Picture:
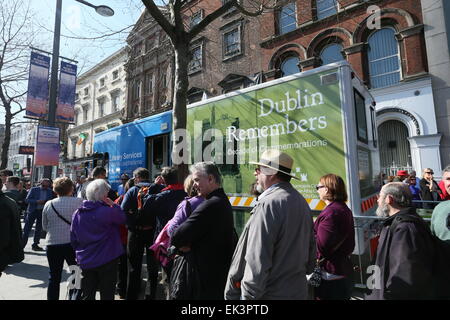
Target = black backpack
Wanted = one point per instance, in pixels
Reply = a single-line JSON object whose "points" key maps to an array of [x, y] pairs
{"points": [[441, 259]]}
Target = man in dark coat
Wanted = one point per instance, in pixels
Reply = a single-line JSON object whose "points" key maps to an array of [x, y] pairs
{"points": [[10, 232], [405, 250], [208, 233], [140, 236]]}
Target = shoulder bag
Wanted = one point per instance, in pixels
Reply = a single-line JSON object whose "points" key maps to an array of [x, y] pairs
{"points": [[60, 216]]}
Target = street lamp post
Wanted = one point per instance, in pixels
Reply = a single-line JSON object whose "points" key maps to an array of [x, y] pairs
{"points": [[102, 10]]}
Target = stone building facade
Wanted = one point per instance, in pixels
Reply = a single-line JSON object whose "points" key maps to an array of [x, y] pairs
{"points": [[100, 99]]}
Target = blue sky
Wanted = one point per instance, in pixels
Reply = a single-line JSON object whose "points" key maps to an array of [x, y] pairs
{"points": [[81, 21]]}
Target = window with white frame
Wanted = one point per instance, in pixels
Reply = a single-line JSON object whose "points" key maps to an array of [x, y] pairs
{"points": [[101, 108], [331, 53], [115, 100], [115, 74], [287, 18], [85, 114], [326, 8], [384, 58], [232, 42], [86, 91], [102, 82], [196, 18], [195, 63]]}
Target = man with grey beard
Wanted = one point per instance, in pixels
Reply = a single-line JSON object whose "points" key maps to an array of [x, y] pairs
{"points": [[405, 249]]}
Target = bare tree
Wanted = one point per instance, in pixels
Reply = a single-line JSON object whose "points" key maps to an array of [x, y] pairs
{"points": [[181, 37], [16, 36]]}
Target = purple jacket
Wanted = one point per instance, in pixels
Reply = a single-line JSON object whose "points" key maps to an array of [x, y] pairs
{"points": [[332, 226], [94, 233], [181, 214]]}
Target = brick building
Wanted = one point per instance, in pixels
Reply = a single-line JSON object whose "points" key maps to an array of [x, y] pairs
{"points": [[382, 40], [149, 70]]}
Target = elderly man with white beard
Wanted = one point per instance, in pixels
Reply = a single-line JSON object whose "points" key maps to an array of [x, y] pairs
{"points": [[405, 249]]}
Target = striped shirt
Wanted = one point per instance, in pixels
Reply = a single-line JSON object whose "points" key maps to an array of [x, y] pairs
{"points": [[58, 231]]}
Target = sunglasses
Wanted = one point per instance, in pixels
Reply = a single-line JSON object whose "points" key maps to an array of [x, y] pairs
{"points": [[319, 187], [429, 172]]}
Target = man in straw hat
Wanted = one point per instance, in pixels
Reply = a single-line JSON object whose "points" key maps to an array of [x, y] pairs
{"points": [[277, 248]]}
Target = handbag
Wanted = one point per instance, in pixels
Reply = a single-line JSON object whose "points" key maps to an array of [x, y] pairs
{"points": [[60, 216], [316, 277]]}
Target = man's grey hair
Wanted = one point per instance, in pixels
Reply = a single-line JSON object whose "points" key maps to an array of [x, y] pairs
{"points": [[446, 169], [97, 190], [208, 168], [400, 192]]}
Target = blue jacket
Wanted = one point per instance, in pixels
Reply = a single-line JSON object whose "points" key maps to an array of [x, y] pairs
{"points": [[33, 196]]}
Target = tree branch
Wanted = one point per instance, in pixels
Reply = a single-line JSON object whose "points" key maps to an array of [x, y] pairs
{"points": [[159, 17]]}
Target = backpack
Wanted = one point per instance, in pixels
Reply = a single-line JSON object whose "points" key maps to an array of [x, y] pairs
{"points": [[143, 218], [441, 259]]}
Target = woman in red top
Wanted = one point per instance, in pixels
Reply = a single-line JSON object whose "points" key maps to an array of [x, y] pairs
{"points": [[335, 238]]}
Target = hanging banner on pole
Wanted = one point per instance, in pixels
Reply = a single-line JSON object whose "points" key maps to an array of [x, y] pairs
{"points": [[66, 93], [47, 146], [37, 97]]}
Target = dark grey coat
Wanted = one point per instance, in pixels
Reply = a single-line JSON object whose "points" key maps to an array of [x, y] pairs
{"points": [[404, 257]]}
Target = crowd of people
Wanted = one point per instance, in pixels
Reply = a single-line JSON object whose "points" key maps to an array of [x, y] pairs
{"points": [[187, 232]]}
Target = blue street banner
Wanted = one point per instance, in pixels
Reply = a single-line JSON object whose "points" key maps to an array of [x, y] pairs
{"points": [[47, 146], [37, 98], [66, 93]]}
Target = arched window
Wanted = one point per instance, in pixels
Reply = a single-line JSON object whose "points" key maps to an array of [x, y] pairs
{"points": [[331, 53], [289, 65], [384, 59]]}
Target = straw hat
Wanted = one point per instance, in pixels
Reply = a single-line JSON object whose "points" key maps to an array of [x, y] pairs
{"points": [[276, 160]]}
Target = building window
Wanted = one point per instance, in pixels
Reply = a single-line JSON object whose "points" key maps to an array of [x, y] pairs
{"points": [[287, 18], [85, 114], [289, 66], [331, 53], [384, 58], [101, 108], [86, 92], [149, 83], [326, 8], [115, 74], [196, 18], [232, 42], [195, 64], [102, 82], [136, 90], [115, 102]]}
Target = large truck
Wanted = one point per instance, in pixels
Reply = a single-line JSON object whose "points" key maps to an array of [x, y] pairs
{"points": [[323, 118]]}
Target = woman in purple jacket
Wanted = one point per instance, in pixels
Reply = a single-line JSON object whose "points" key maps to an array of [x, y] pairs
{"points": [[335, 238], [95, 236]]}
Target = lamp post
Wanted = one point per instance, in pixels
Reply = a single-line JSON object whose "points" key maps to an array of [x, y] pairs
{"points": [[102, 10]]}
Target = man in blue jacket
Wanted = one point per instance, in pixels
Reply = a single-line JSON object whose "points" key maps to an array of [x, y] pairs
{"points": [[36, 199]]}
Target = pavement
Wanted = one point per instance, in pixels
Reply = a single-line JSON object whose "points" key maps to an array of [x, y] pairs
{"points": [[28, 280]]}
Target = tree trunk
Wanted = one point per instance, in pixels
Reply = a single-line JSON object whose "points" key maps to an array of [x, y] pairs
{"points": [[181, 85], [5, 145]]}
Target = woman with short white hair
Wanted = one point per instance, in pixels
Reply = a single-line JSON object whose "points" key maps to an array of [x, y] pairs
{"points": [[95, 237]]}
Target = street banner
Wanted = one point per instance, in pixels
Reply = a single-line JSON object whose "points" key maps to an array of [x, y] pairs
{"points": [[26, 150], [47, 146], [66, 93], [37, 97]]}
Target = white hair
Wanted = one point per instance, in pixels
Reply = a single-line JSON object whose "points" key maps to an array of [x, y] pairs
{"points": [[97, 190]]}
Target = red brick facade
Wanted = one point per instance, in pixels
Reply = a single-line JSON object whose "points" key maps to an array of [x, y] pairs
{"points": [[263, 48]]}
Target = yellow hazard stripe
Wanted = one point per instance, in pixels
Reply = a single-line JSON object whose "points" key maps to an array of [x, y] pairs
{"points": [[314, 204]]}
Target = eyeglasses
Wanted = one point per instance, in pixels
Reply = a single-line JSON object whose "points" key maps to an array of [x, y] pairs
{"points": [[429, 172], [318, 187]]}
